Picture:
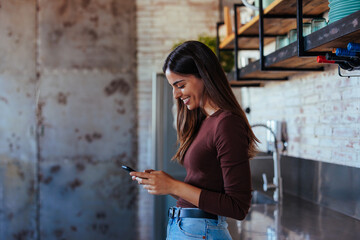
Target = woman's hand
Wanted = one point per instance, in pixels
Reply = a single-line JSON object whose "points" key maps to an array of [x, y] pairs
{"points": [[156, 182], [161, 183]]}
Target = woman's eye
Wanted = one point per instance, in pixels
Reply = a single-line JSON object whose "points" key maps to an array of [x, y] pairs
{"points": [[182, 86]]}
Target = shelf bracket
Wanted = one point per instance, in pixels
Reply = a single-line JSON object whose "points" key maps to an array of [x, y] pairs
{"points": [[300, 42], [300, 37], [236, 48], [218, 24], [261, 36], [341, 75]]}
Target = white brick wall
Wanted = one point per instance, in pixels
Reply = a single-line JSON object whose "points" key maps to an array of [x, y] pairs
{"points": [[322, 111], [161, 23]]}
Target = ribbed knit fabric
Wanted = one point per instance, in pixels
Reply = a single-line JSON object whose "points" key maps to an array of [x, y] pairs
{"points": [[217, 162]]}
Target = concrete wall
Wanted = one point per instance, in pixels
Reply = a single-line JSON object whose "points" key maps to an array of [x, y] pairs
{"points": [[161, 23], [68, 119], [17, 120], [321, 111]]}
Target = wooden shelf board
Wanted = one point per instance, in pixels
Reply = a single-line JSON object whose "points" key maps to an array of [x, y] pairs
{"points": [[253, 69], [228, 42], [269, 74], [233, 82], [275, 25], [310, 7], [296, 62]]}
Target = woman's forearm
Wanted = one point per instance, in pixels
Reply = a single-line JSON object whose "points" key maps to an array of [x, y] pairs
{"points": [[174, 196], [187, 192]]}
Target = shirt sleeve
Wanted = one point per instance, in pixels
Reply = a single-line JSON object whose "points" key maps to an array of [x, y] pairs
{"points": [[232, 146]]}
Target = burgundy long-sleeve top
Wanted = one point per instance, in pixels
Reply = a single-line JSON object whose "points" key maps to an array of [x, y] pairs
{"points": [[217, 162]]}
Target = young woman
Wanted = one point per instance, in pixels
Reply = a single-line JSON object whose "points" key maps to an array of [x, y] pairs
{"points": [[215, 145]]}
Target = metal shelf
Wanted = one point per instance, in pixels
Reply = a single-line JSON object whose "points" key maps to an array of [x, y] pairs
{"points": [[335, 35], [298, 56], [280, 18]]}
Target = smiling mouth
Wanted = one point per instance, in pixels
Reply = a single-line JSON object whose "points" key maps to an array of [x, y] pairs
{"points": [[186, 100]]}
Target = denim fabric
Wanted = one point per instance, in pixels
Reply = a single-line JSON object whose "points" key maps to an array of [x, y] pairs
{"points": [[197, 228]]}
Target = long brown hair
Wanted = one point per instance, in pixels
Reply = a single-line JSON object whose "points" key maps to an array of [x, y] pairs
{"points": [[195, 58]]}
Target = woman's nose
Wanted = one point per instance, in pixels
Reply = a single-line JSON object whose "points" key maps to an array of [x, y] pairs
{"points": [[176, 93]]}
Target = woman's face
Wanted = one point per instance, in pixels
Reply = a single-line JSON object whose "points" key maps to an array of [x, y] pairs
{"points": [[188, 88]]}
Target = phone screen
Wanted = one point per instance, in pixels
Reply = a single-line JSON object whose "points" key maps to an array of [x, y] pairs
{"points": [[129, 169]]}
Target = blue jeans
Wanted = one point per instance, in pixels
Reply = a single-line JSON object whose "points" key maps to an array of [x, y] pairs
{"points": [[197, 228]]}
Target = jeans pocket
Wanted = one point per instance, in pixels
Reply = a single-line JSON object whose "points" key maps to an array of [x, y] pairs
{"points": [[168, 227], [194, 228], [218, 232]]}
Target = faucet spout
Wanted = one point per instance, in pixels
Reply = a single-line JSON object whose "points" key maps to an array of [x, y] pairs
{"points": [[276, 185], [266, 185], [277, 180]]}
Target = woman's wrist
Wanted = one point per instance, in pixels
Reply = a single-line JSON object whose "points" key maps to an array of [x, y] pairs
{"points": [[174, 189], [186, 191]]}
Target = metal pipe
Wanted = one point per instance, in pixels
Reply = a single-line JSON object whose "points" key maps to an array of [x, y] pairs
{"points": [[218, 24], [277, 180], [299, 23], [236, 43], [261, 36]]}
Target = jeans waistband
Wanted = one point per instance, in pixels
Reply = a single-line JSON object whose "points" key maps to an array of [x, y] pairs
{"points": [[178, 212]]}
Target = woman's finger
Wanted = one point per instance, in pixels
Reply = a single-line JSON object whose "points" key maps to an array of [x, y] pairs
{"points": [[144, 181], [141, 180], [150, 189], [152, 192], [140, 174]]}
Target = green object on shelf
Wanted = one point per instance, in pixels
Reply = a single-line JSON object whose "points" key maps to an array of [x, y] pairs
{"points": [[306, 29], [266, 3], [318, 23], [226, 58], [340, 9], [292, 35], [281, 41]]}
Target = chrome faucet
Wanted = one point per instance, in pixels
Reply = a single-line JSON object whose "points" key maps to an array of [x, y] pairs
{"points": [[280, 129]]}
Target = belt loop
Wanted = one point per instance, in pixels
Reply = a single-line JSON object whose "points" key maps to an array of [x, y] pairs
{"points": [[178, 213], [171, 212]]}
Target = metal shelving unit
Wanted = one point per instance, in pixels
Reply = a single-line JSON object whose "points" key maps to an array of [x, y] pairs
{"points": [[298, 56]]}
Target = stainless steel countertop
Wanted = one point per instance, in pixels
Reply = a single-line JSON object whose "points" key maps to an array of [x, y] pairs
{"points": [[294, 219]]}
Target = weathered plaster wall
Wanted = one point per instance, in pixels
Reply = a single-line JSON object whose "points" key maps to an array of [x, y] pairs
{"points": [[68, 119], [17, 119]]}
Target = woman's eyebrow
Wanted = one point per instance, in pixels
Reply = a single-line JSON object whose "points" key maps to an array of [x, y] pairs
{"points": [[176, 82]]}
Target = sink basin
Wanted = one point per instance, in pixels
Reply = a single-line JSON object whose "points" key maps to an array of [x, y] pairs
{"points": [[261, 198]]}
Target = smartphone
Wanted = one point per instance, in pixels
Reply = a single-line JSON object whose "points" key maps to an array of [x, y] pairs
{"points": [[129, 169]]}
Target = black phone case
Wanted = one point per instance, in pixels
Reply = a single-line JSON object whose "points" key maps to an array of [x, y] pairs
{"points": [[129, 169]]}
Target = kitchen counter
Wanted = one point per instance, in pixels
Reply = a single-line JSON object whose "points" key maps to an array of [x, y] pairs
{"points": [[294, 219]]}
